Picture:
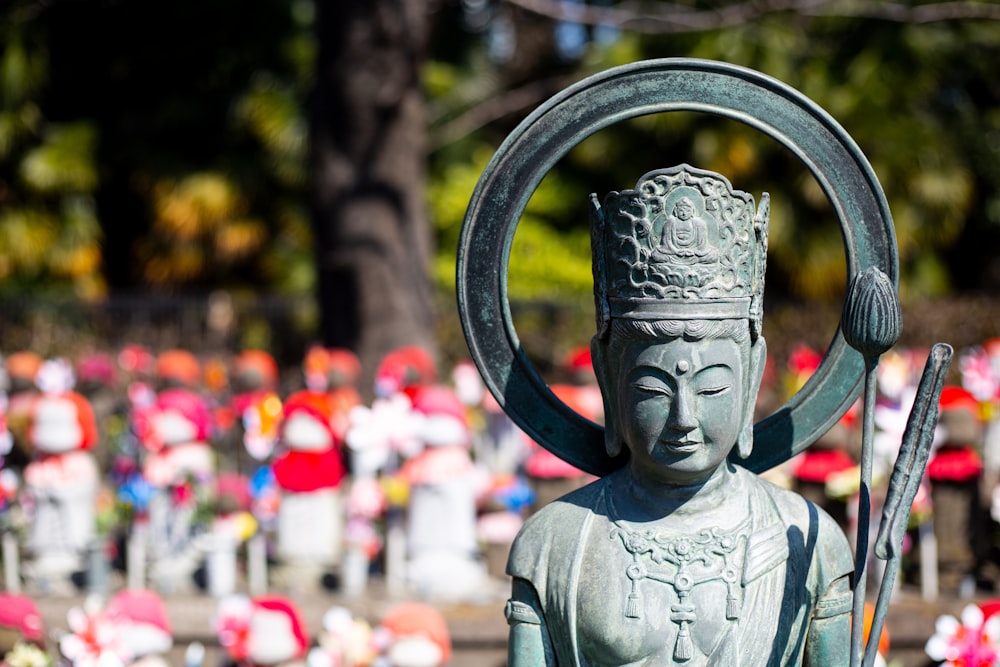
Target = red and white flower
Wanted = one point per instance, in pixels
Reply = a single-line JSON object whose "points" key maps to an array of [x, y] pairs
{"points": [[971, 641], [94, 640]]}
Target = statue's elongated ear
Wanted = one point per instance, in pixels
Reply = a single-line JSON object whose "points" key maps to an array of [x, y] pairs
{"points": [[758, 359], [613, 444]]}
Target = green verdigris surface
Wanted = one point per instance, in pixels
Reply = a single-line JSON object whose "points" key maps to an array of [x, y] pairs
{"points": [[672, 84], [678, 555], [681, 556]]}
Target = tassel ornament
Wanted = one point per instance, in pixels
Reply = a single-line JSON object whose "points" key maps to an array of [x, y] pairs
{"points": [[632, 605], [683, 615], [732, 601], [683, 649], [732, 608]]}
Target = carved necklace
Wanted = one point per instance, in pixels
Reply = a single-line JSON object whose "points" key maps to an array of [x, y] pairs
{"points": [[711, 554]]}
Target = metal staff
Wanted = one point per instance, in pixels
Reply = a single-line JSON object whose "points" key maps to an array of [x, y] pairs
{"points": [[904, 482]]}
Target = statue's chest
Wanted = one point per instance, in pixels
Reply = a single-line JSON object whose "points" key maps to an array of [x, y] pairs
{"points": [[652, 598]]}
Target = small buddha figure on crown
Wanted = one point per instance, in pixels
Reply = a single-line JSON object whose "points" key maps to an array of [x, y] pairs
{"points": [[681, 557], [685, 235]]}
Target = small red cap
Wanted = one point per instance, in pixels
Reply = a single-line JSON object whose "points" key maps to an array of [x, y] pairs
{"points": [[19, 612]]}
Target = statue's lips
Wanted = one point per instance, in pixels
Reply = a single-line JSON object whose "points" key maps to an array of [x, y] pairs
{"points": [[681, 446]]}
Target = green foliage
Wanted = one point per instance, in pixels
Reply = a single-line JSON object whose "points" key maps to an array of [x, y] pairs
{"points": [[180, 154], [22, 66], [884, 83], [922, 110], [271, 111], [50, 237], [63, 162], [104, 127], [549, 265], [289, 264], [546, 263]]}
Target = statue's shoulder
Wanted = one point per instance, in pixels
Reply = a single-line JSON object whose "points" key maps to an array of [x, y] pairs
{"points": [[555, 528], [794, 508], [813, 522], [565, 511]]}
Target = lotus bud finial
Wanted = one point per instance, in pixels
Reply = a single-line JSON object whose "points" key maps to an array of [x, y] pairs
{"points": [[871, 320]]}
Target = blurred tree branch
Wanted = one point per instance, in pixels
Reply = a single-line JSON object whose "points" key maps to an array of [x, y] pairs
{"points": [[496, 107], [668, 17]]}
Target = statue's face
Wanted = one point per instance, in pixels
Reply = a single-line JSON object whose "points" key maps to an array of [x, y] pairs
{"points": [[681, 406], [684, 209]]}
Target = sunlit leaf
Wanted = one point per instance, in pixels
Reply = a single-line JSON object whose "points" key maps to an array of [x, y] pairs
{"points": [[65, 160], [546, 264], [25, 238], [238, 239], [22, 69], [275, 118], [194, 206]]}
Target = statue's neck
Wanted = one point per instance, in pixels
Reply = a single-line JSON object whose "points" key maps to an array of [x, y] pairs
{"points": [[651, 500]]}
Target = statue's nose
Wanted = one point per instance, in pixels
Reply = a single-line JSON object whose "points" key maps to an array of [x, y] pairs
{"points": [[682, 417]]}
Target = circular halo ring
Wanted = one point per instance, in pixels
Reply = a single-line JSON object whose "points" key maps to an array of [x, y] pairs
{"points": [[618, 94]]}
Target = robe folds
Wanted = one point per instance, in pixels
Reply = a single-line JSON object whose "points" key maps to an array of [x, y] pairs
{"points": [[607, 592]]}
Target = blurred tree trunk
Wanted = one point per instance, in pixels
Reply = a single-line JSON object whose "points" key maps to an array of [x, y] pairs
{"points": [[368, 135]]}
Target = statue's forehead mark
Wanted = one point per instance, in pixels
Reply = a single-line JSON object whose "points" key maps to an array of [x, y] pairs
{"points": [[690, 360]]}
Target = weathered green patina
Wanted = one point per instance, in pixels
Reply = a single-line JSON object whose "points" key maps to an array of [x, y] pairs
{"points": [[678, 555], [626, 92]]}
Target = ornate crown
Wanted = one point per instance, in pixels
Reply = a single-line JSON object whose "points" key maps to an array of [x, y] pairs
{"points": [[682, 245]]}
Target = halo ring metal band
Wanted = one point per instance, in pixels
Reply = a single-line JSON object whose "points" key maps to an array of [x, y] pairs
{"points": [[618, 94]]}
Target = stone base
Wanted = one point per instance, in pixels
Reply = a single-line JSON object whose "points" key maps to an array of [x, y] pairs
{"points": [[447, 576], [176, 574], [298, 578], [52, 574]]}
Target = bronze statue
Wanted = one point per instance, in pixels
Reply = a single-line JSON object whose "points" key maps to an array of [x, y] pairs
{"points": [[679, 554], [680, 557]]}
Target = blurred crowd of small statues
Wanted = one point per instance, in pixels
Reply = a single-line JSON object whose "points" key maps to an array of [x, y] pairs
{"points": [[135, 475]]}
